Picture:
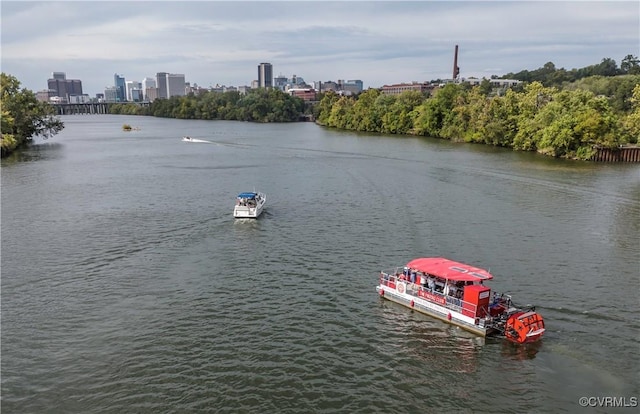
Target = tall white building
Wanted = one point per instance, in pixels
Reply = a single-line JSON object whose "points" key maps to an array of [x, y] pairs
{"points": [[147, 83], [175, 85], [130, 86]]}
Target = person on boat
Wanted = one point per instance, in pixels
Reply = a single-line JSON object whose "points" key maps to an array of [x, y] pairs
{"points": [[431, 284], [413, 276], [449, 289], [423, 280]]}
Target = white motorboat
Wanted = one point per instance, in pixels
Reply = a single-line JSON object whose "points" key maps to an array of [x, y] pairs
{"points": [[189, 139], [249, 205]]}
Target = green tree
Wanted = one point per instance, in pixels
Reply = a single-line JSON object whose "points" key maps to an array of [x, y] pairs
{"points": [[365, 117], [574, 122], [436, 112], [607, 67], [630, 65], [23, 116], [323, 111], [485, 87], [341, 113], [530, 102], [631, 122], [399, 116]]}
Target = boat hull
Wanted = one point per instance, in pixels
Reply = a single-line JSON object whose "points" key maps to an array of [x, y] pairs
{"points": [[247, 212], [436, 311]]}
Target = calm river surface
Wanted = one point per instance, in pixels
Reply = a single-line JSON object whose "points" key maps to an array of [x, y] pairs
{"points": [[127, 286]]}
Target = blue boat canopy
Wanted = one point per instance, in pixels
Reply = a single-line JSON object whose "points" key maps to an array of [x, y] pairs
{"points": [[247, 195]]}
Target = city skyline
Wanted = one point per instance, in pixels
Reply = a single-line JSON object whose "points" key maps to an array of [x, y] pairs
{"points": [[378, 42]]}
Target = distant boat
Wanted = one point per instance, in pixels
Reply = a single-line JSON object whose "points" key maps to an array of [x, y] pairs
{"points": [[189, 139], [249, 205]]}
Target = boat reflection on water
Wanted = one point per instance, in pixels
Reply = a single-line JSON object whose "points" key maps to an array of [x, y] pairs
{"points": [[456, 354], [520, 352], [439, 345], [444, 347]]}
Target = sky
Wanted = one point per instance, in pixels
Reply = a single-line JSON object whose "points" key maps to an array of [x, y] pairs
{"points": [[378, 42]]}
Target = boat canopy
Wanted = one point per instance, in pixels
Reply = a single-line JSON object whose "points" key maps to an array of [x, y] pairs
{"points": [[449, 269], [247, 195]]}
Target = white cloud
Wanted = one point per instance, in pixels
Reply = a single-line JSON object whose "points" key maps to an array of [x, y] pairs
{"points": [[377, 42]]}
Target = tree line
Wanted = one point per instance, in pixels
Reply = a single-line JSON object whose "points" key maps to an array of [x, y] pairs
{"points": [[258, 105], [549, 75], [569, 123]]}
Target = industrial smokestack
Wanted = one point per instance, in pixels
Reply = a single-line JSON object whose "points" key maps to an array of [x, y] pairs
{"points": [[456, 69]]}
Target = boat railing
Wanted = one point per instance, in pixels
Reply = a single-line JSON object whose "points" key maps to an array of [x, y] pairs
{"points": [[392, 277]]}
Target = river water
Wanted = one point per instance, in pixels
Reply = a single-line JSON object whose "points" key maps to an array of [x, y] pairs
{"points": [[127, 286]]}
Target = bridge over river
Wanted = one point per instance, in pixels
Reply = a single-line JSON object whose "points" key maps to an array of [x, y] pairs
{"points": [[90, 108]]}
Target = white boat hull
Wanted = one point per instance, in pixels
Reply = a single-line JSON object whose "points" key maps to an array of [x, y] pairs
{"points": [[432, 309], [189, 139]]}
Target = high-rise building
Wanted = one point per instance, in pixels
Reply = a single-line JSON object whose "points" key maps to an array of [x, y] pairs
{"points": [[111, 94], [150, 94], [175, 85], [133, 85], [63, 87], [136, 95], [74, 87], [121, 89], [147, 83], [353, 86], [59, 86], [161, 84], [265, 75], [280, 82]]}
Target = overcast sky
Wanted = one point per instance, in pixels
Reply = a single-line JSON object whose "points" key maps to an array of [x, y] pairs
{"points": [[378, 42]]}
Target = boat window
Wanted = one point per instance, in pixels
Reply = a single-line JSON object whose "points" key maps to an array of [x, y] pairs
{"points": [[458, 269], [481, 276]]}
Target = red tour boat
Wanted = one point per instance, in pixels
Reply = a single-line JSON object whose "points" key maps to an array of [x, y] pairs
{"points": [[455, 292]]}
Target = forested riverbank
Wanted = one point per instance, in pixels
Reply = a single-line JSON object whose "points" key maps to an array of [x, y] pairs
{"points": [[258, 105], [571, 121], [568, 123]]}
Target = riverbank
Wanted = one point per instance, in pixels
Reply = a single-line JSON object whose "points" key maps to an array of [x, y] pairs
{"points": [[571, 124]]}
